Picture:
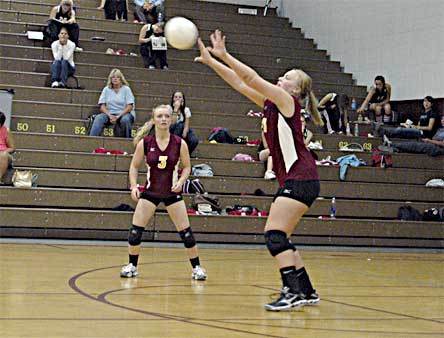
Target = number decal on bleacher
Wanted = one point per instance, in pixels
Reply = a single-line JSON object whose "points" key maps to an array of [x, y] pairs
{"points": [[108, 132], [367, 146], [22, 126], [50, 128], [79, 130], [342, 144]]}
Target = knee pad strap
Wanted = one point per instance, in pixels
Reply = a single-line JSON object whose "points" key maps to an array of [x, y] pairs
{"points": [[277, 242], [187, 237], [135, 235]]}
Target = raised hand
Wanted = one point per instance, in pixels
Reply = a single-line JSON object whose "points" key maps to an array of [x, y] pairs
{"points": [[218, 42], [205, 56]]}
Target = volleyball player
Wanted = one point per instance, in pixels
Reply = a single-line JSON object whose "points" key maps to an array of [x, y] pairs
{"points": [[162, 153], [294, 165]]}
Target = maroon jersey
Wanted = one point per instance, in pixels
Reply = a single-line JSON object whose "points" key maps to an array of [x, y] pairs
{"points": [[163, 166], [291, 159]]}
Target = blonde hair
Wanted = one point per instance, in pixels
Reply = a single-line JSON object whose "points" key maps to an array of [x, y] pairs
{"points": [[118, 73], [307, 92], [146, 128]]}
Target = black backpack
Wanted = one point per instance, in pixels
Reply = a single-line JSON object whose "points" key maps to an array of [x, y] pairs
{"points": [[221, 135], [434, 215], [407, 213]]}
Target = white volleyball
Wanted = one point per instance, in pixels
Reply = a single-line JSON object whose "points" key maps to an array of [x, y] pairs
{"points": [[181, 33]]}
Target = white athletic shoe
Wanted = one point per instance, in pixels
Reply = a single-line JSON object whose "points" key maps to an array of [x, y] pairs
{"points": [[199, 273], [55, 84], [269, 175], [129, 271]]}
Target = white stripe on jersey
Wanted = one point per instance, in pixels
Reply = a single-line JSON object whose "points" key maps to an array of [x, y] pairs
{"points": [[286, 142], [175, 173]]}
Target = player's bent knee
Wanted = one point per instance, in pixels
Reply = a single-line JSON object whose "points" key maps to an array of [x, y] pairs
{"points": [[135, 235], [187, 238], [277, 242]]}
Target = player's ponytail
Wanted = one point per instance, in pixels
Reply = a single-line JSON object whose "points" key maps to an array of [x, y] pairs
{"points": [[142, 132], [312, 102]]}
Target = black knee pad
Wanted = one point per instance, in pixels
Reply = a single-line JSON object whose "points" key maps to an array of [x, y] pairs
{"points": [[187, 238], [135, 235], [277, 242]]}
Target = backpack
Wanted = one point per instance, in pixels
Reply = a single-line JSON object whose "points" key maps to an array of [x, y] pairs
{"points": [[193, 187], [202, 170], [206, 203], [433, 215], [381, 159], [220, 135], [407, 213]]}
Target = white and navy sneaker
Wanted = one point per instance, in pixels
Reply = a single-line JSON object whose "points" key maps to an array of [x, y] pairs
{"points": [[286, 301], [129, 271], [199, 273], [313, 298]]}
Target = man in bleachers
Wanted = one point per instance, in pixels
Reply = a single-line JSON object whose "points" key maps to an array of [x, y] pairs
{"points": [[63, 65]]}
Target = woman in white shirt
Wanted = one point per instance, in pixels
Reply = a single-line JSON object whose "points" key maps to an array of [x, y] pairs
{"points": [[63, 65], [116, 107]]}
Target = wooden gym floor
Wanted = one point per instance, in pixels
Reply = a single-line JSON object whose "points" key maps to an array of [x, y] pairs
{"points": [[63, 290]]}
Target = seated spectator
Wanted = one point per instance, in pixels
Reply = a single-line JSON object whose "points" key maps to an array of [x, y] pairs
{"points": [[431, 147], [153, 46], [63, 65], [153, 11], [114, 8], [182, 118], [426, 128], [116, 107], [379, 99], [60, 16], [6, 147], [334, 110]]}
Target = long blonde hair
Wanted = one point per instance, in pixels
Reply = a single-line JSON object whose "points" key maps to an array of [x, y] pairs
{"points": [[146, 128], [119, 74], [307, 92]]}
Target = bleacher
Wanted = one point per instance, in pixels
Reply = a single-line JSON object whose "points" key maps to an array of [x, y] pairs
{"points": [[78, 189]]}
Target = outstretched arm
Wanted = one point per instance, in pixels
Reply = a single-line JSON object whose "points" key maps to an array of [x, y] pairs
{"points": [[228, 75], [279, 96]]}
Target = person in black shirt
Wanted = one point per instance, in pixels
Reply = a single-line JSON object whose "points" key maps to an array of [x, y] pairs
{"points": [[153, 45], [378, 99]]}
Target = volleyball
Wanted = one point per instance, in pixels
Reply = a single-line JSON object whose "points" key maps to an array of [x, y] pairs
{"points": [[181, 33]]}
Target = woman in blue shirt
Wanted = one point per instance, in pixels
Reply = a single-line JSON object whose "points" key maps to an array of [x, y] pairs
{"points": [[116, 107]]}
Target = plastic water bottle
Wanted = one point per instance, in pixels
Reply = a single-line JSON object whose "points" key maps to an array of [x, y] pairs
{"points": [[354, 105], [160, 17], [356, 130], [333, 208], [347, 129]]}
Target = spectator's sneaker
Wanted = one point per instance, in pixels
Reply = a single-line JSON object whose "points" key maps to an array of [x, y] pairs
{"points": [[151, 67], [79, 49], [55, 84], [165, 68], [387, 142], [270, 175], [286, 301], [313, 298], [199, 273], [61, 85], [129, 271]]}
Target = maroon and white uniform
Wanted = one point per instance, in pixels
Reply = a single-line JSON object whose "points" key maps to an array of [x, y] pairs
{"points": [[291, 159], [163, 166]]}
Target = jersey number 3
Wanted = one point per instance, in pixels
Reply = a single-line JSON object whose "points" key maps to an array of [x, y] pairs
{"points": [[162, 162]]}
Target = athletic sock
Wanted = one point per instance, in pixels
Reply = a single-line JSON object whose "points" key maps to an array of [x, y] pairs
{"points": [[133, 259], [195, 261]]}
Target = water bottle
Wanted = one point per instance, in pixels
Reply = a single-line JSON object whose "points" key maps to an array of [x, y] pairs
{"points": [[333, 208], [354, 105], [160, 17], [347, 129], [356, 130]]}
